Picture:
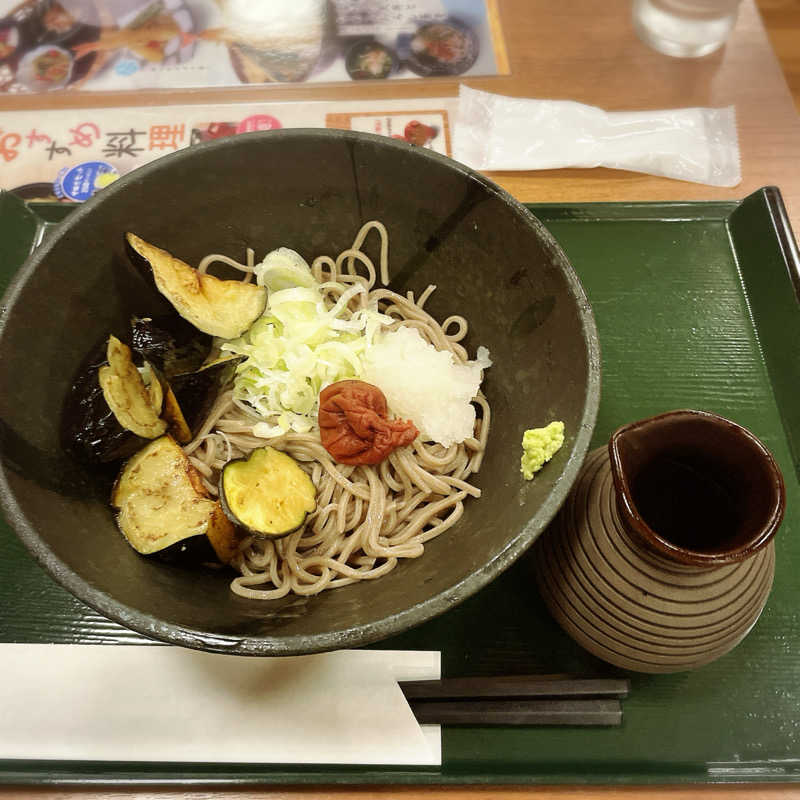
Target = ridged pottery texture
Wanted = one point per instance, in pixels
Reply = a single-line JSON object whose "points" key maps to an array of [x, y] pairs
{"points": [[636, 607]]}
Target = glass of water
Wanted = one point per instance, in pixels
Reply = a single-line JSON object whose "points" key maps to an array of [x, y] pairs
{"points": [[685, 28]]}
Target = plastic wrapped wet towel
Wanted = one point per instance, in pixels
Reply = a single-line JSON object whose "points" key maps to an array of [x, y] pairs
{"points": [[494, 132]]}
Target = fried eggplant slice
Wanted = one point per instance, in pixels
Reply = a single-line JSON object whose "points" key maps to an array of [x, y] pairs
{"points": [[155, 389], [170, 343], [136, 406], [90, 430], [267, 494], [216, 307], [189, 397], [196, 392], [224, 536], [161, 499], [177, 426]]}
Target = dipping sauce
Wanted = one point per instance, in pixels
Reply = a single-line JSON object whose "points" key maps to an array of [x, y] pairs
{"points": [[688, 500]]}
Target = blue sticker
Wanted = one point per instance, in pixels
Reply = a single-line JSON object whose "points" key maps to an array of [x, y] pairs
{"points": [[126, 66], [80, 182]]}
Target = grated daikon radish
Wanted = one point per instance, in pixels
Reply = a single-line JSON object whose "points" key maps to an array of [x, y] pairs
{"points": [[426, 385]]}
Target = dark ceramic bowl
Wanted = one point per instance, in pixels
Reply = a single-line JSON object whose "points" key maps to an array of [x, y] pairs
{"points": [[310, 190]]}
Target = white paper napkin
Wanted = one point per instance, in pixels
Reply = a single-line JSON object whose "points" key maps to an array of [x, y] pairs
{"points": [[159, 703], [494, 132]]}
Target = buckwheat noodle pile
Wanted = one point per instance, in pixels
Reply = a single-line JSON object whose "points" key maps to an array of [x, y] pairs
{"points": [[367, 517]]}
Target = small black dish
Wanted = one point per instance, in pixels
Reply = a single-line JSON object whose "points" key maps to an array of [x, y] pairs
{"points": [[370, 60], [443, 48], [56, 24]]}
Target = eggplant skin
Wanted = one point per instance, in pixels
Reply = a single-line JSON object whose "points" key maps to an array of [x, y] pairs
{"points": [[195, 551], [196, 392], [216, 307], [224, 537], [173, 345], [160, 498], [171, 411], [90, 431], [266, 494], [109, 414]]}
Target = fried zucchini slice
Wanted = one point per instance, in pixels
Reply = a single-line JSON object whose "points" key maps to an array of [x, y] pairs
{"points": [[136, 406], [266, 494], [220, 308], [161, 499]]}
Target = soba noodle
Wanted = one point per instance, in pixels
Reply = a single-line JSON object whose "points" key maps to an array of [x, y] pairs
{"points": [[367, 517]]}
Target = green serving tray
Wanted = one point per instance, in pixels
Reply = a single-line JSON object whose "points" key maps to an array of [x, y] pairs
{"points": [[697, 307]]}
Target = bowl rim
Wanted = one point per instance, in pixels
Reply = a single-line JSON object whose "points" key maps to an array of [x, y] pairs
{"points": [[722, 553], [366, 633]]}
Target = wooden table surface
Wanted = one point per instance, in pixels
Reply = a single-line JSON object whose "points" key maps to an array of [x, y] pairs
{"points": [[782, 21], [583, 50]]}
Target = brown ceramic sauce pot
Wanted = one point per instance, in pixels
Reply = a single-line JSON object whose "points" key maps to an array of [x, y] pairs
{"points": [[662, 558], [696, 487]]}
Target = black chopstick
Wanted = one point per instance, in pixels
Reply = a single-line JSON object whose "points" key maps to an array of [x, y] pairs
{"points": [[598, 711], [515, 686]]}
